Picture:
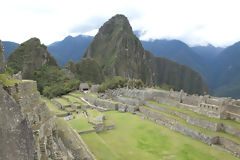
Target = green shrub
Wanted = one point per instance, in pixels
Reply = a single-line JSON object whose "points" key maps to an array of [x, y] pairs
{"points": [[120, 82], [53, 81]]}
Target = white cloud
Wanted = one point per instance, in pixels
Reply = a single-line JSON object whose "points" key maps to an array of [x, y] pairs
{"points": [[193, 21]]}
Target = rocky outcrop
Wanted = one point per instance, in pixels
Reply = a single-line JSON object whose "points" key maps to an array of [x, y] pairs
{"points": [[2, 59], [16, 142]]}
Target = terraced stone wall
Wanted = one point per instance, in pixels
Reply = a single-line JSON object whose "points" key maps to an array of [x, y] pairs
{"points": [[47, 142]]}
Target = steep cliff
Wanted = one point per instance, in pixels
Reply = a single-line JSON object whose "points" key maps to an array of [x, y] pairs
{"points": [[29, 130], [119, 52], [16, 134]]}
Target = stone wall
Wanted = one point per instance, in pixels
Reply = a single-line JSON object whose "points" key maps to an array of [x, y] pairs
{"points": [[109, 105], [48, 144], [189, 119], [128, 100], [233, 147], [16, 140], [57, 104], [98, 128], [174, 125]]}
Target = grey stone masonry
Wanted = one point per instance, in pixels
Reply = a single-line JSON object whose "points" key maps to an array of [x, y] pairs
{"points": [[16, 136]]}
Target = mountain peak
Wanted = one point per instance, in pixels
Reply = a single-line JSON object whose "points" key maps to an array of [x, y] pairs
{"points": [[118, 23], [120, 53], [34, 40], [29, 56], [119, 19]]}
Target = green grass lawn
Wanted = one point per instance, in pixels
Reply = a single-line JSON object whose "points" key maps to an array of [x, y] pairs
{"points": [[92, 113], [62, 101], [52, 107], [74, 99], [80, 123], [199, 129], [93, 95], [138, 139], [194, 114], [76, 94]]}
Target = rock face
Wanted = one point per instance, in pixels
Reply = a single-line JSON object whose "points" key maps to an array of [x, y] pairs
{"points": [[30, 56], [2, 59], [120, 53], [16, 140], [29, 131]]}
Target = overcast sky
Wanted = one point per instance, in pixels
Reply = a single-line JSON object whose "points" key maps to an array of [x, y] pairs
{"points": [[196, 22]]}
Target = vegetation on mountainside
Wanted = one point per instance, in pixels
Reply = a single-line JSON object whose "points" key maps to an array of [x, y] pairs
{"points": [[53, 81], [120, 82], [179, 76], [30, 56], [86, 70], [6, 80]]}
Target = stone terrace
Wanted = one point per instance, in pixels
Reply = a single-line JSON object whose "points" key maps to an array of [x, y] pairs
{"points": [[211, 120]]}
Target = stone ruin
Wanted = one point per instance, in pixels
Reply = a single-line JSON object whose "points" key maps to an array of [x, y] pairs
{"points": [[2, 59], [216, 107], [141, 102]]}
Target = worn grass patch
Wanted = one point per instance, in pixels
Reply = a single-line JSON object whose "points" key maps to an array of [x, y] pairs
{"points": [[135, 138], [52, 107], [92, 113], [80, 123], [62, 101], [76, 94], [74, 99]]}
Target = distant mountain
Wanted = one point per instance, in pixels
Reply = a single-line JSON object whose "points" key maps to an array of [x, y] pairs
{"points": [[180, 52], [120, 53], [227, 72], [71, 48], [207, 52], [9, 47]]}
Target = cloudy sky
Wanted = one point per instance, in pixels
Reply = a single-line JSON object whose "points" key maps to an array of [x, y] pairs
{"points": [[196, 22]]}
